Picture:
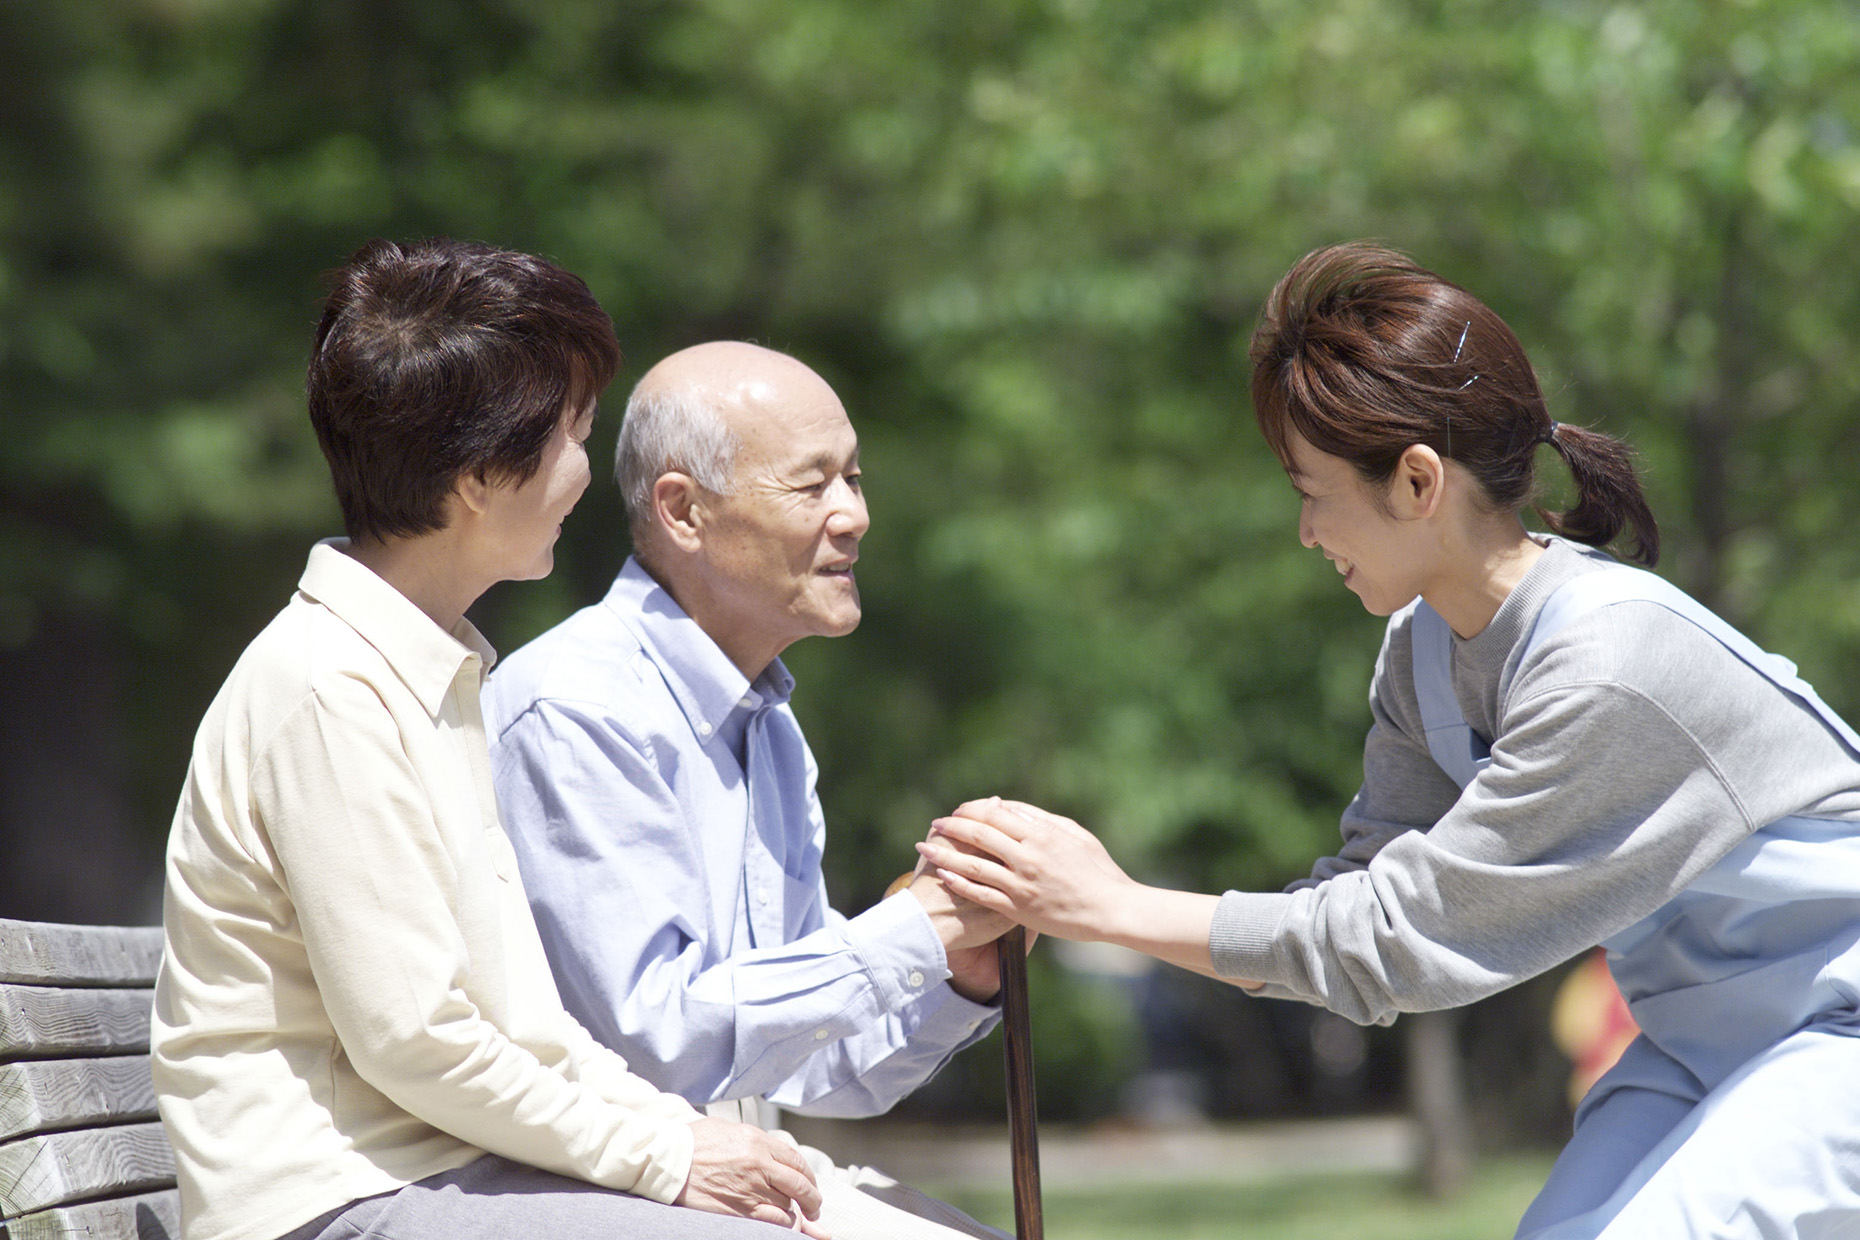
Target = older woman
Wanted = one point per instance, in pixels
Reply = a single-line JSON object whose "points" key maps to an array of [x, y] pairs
{"points": [[355, 1027], [1564, 751]]}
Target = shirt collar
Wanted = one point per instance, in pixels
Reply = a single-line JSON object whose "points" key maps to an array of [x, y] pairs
{"points": [[422, 654], [706, 684]]}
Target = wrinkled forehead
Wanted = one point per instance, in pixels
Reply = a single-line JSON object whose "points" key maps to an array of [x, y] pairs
{"points": [[790, 425]]}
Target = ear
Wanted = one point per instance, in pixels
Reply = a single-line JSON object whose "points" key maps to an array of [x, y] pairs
{"points": [[1418, 488], [678, 510], [472, 491]]}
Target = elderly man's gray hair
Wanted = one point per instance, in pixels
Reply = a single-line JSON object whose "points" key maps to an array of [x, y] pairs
{"points": [[666, 429]]}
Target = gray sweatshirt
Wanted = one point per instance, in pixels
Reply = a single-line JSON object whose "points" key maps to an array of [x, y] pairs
{"points": [[1630, 751]]}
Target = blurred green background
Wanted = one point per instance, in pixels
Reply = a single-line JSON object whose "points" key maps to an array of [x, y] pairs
{"points": [[1027, 241]]}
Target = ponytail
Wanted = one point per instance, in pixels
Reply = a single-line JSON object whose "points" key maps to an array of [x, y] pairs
{"points": [[1608, 494]]}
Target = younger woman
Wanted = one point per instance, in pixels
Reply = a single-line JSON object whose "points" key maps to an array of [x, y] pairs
{"points": [[1564, 751]]}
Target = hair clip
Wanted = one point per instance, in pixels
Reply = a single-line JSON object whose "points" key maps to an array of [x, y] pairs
{"points": [[1463, 386]]}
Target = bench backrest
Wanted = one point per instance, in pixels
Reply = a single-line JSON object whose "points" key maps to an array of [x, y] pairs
{"points": [[81, 1150]]}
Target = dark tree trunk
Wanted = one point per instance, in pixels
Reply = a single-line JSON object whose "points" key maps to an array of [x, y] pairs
{"points": [[1437, 1097], [69, 847]]}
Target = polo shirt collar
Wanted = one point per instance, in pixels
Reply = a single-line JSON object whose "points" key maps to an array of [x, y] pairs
{"points": [[423, 655], [707, 686]]}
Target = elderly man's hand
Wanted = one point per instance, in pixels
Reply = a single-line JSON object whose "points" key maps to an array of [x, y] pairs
{"points": [[959, 923], [741, 1170], [969, 932]]}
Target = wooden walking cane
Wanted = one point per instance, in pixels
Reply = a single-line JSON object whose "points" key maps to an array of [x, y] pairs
{"points": [[1023, 1131]]}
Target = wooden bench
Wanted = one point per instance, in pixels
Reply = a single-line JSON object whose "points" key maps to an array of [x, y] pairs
{"points": [[81, 1151]]}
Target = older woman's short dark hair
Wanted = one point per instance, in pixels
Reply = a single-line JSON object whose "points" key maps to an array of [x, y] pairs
{"points": [[437, 359]]}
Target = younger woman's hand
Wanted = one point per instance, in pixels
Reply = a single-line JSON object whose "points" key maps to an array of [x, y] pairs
{"points": [[1044, 871]]}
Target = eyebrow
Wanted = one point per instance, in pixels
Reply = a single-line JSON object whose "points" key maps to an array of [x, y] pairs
{"points": [[826, 463]]}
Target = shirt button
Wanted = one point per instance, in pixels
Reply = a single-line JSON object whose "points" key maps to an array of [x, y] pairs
{"points": [[703, 729], [974, 1025], [916, 978], [820, 1035], [762, 897], [747, 701]]}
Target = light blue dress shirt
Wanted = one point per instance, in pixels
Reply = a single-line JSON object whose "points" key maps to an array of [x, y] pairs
{"points": [[663, 812]]}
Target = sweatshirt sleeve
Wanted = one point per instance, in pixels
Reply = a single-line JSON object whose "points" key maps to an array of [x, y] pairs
{"points": [[1598, 806], [1403, 788]]}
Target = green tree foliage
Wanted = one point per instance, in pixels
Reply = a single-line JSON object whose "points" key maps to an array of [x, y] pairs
{"points": [[1027, 239]]}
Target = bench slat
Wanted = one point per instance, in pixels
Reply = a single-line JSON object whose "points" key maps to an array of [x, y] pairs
{"points": [[152, 1216], [39, 953], [40, 1172], [40, 1095], [38, 1022]]}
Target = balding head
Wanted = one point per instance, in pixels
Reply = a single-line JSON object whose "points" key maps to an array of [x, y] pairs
{"points": [[688, 414]]}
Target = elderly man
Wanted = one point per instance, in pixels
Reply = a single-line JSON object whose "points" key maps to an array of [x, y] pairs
{"points": [[661, 795]]}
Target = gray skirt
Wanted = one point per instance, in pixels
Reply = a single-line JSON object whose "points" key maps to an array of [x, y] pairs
{"points": [[494, 1198]]}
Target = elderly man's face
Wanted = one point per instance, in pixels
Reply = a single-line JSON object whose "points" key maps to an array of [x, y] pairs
{"points": [[781, 546]]}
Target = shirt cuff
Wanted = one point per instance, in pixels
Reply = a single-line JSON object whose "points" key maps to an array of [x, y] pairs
{"points": [[668, 1165], [900, 948], [955, 1022], [1244, 939]]}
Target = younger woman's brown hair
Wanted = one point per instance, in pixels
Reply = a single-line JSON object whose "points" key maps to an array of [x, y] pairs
{"points": [[1362, 352]]}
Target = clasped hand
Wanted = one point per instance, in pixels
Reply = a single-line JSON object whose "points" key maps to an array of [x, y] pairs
{"points": [[1039, 869], [968, 932]]}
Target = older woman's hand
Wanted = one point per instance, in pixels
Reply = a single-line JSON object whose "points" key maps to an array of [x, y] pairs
{"points": [[1044, 871], [740, 1169]]}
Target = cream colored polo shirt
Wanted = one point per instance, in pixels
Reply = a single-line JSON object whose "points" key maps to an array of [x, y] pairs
{"points": [[353, 995]]}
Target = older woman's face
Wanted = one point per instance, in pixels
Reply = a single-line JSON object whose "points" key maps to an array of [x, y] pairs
{"points": [[524, 519]]}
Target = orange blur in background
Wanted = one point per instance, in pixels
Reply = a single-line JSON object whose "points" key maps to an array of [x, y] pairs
{"points": [[1590, 1022]]}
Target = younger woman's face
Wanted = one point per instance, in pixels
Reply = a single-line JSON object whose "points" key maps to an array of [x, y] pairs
{"points": [[1346, 519]]}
